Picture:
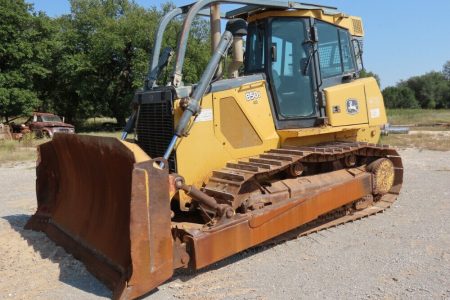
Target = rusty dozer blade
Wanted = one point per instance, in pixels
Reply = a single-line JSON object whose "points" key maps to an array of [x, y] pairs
{"points": [[101, 199]]}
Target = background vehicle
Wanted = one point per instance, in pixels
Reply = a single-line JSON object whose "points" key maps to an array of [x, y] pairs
{"points": [[46, 124], [288, 140]]}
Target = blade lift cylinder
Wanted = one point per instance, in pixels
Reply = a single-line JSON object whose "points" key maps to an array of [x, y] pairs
{"points": [[193, 108]]}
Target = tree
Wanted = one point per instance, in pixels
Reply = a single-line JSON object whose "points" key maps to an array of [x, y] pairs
{"points": [[364, 74], [446, 70], [400, 97], [431, 90], [111, 54], [22, 53]]}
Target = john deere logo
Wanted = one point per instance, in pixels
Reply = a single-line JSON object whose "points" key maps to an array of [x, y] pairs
{"points": [[352, 106]]}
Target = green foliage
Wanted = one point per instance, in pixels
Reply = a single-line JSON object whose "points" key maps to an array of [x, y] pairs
{"points": [[428, 91], [364, 74], [23, 49], [87, 63], [432, 90], [114, 40], [400, 97], [446, 70]]}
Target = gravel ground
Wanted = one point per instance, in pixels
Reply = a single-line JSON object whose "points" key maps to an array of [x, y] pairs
{"points": [[402, 253]]}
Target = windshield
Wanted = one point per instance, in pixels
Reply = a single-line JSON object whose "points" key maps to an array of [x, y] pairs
{"points": [[51, 118]]}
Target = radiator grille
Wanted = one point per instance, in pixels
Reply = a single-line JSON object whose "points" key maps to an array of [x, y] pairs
{"points": [[155, 129]]}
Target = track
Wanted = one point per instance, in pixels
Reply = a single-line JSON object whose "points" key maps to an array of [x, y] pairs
{"points": [[231, 184]]}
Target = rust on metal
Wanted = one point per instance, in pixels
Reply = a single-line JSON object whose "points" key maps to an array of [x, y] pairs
{"points": [[251, 230], [99, 206], [114, 214]]}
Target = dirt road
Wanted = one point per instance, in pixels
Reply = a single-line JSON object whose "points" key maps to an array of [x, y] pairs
{"points": [[402, 253]]}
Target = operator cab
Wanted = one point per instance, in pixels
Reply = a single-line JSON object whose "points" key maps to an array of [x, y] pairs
{"points": [[300, 57]]}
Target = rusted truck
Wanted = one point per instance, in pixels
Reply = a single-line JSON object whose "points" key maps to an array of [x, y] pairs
{"points": [[47, 124]]}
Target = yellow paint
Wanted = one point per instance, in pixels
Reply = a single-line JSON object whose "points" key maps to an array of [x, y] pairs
{"points": [[206, 148], [338, 97], [139, 154], [370, 103], [258, 114], [352, 23], [147, 190], [375, 103], [311, 136], [238, 123]]}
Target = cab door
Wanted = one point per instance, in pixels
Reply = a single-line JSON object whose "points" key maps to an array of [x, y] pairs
{"points": [[291, 81]]}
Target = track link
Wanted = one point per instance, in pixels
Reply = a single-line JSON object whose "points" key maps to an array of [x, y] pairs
{"points": [[228, 183]]}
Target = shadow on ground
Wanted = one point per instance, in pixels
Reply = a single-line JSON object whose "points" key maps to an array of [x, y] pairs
{"points": [[72, 271]]}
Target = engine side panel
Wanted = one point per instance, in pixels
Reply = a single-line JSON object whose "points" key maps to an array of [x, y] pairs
{"points": [[237, 122], [358, 102], [346, 104], [217, 136]]}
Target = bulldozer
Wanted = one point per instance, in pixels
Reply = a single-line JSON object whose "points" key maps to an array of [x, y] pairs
{"points": [[280, 135]]}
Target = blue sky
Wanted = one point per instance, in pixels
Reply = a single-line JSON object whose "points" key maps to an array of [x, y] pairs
{"points": [[403, 38]]}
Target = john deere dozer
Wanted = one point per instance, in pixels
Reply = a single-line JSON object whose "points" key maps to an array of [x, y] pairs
{"points": [[281, 138]]}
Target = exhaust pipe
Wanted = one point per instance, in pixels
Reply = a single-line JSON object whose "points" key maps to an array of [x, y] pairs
{"points": [[238, 28]]}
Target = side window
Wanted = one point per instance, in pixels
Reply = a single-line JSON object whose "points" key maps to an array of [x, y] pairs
{"points": [[358, 48], [329, 50], [255, 51], [39, 119], [335, 54], [347, 59]]}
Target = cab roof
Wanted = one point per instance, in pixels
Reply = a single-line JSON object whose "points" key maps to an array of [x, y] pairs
{"points": [[247, 10]]}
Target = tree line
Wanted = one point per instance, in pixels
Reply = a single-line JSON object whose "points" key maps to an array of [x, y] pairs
{"points": [[428, 91], [86, 63], [89, 62]]}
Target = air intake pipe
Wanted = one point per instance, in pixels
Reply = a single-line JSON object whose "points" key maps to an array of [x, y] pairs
{"points": [[238, 28]]}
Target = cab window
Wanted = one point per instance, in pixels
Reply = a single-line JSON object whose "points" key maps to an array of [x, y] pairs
{"points": [[293, 89], [347, 59], [255, 47], [335, 54]]}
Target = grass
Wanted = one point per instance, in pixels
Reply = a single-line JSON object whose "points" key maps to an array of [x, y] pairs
{"points": [[103, 133], [438, 141], [25, 150], [418, 117], [15, 151], [437, 121]]}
